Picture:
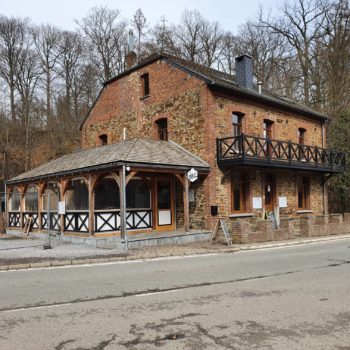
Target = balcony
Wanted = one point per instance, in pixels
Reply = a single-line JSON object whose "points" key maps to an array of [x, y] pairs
{"points": [[257, 151]]}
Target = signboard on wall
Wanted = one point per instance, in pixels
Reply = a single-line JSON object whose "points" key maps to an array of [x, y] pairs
{"points": [[257, 202], [61, 208], [192, 175], [282, 202]]}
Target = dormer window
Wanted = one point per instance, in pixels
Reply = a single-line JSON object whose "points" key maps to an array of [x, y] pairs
{"points": [[162, 125], [103, 139], [145, 84]]}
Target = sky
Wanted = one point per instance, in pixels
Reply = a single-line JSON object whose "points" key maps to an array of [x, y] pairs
{"points": [[229, 13]]}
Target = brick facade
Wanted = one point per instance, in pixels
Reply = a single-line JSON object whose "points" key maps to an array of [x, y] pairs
{"points": [[198, 114]]}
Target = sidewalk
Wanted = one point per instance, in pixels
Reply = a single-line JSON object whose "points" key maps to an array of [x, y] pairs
{"points": [[27, 252]]}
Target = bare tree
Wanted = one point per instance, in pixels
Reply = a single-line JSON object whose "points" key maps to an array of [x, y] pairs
{"points": [[139, 22], [211, 37], [46, 40], [301, 24], [107, 35], [188, 35], [12, 39]]}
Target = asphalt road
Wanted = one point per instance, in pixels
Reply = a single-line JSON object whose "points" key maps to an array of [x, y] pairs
{"points": [[285, 298]]}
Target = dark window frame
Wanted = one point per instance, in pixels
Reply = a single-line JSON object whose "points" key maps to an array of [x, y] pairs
{"points": [[145, 85], [303, 193], [103, 139], [237, 123], [301, 136], [162, 129], [268, 128], [242, 184]]}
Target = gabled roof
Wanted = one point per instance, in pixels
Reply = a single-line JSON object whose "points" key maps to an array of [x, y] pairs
{"points": [[137, 152], [215, 78]]}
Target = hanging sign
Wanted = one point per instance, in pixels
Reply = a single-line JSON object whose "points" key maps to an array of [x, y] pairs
{"points": [[61, 210], [192, 175]]}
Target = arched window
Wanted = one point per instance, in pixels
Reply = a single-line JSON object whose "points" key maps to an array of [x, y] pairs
{"points": [[31, 199], [237, 118], [162, 129], [301, 136], [268, 128], [77, 196], [107, 195], [103, 139]]}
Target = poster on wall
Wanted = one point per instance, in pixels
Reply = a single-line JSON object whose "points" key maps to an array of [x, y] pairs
{"points": [[61, 208], [257, 202], [282, 202]]}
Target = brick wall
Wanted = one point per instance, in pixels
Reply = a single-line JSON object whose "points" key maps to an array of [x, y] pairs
{"points": [[196, 116]]}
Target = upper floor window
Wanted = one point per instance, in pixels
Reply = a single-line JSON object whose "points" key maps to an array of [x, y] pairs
{"points": [[237, 123], [268, 125], [301, 136], [103, 139], [162, 125], [145, 84]]}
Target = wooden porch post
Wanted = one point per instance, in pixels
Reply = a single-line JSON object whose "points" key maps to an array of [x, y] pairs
{"points": [[91, 187], [122, 195], [22, 190], [186, 204], [63, 187], [41, 190]]}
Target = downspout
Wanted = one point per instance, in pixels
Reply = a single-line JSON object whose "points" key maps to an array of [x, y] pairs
{"points": [[324, 195]]}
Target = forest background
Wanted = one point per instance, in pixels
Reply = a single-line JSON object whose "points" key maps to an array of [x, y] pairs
{"points": [[50, 77]]}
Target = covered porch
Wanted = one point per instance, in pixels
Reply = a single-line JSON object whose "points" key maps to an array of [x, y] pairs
{"points": [[139, 186]]}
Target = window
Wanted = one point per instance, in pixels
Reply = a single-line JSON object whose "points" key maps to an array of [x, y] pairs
{"points": [[103, 139], [107, 195], [145, 84], [138, 195], [51, 196], [237, 123], [267, 128], [31, 199], [162, 125], [301, 136], [77, 196], [15, 200], [303, 192], [239, 189]]}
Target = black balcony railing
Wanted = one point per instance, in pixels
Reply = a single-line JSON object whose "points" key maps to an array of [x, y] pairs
{"points": [[251, 150]]}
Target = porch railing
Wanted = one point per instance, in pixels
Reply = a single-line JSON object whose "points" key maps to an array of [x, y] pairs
{"points": [[251, 150], [34, 216], [54, 221], [14, 219], [109, 220], [76, 221]]}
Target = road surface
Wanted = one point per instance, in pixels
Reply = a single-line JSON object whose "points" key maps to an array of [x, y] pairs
{"points": [[284, 298]]}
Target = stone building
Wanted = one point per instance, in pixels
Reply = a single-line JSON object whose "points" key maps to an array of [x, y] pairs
{"points": [[262, 160]]}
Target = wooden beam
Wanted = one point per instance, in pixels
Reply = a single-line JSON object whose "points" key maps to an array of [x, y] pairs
{"points": [[91, 188], [130, 176], [186, 204], [122, 195]]}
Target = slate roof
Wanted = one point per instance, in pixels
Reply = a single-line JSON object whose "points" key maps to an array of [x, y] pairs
{"points": [[215, 78], [150, 153]]}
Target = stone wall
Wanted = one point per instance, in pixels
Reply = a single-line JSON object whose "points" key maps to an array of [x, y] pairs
{"points": [[257, 230]]}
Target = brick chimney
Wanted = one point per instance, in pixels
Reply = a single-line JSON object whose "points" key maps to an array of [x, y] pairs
{"points": [[131, 57], [244, 71]]}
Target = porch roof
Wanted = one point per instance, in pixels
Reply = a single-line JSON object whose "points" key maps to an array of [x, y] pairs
{"points": [[134, 152]]}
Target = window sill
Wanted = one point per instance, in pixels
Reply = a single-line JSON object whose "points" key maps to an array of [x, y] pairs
{"points": [[144, 97], [306, 211], [240, 215]]}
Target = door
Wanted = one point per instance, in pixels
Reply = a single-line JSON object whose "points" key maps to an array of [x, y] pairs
{"points": [[269, 192], [164, 204]]}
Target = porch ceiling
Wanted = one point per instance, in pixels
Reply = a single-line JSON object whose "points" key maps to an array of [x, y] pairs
{"points": [[138, 152]]}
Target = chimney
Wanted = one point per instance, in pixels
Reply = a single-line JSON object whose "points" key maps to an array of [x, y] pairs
{"points": [[244, 71], [131, 57]]}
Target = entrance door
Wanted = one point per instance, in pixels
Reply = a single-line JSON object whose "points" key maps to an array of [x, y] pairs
{"points": [[164, 204], [269, 192]]}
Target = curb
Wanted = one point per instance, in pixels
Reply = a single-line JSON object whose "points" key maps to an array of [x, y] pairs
{"points": [[147, 256]]}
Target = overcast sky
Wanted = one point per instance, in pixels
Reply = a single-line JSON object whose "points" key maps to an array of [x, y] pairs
{"points": [[229, 13]]}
